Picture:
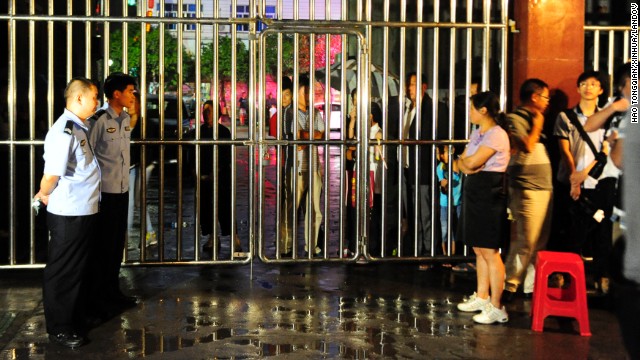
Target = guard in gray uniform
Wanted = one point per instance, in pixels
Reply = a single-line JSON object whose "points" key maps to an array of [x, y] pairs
{"points": [[110, 134], [70, 189]]}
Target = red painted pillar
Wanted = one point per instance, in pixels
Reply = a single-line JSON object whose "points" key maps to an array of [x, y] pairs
{"points": [[549, 46]]}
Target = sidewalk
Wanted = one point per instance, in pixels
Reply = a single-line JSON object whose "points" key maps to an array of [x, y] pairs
{"points": [[306, 311]]}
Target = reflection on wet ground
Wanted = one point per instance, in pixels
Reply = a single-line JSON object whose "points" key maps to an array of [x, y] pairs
{"points": [[299, 312]]}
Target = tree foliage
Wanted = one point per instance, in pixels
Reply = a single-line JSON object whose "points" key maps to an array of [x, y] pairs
{"points": [[170, 69], [225, 69]]}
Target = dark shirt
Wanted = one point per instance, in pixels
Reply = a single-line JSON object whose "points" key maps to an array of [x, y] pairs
{"points": [[424, 161], [287, 134], [224, 155]]}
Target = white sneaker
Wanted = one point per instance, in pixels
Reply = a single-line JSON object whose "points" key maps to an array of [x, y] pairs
{"points": [[491, 314], [474, 303]]}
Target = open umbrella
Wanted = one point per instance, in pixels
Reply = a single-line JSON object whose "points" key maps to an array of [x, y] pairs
{"points": [[351, 67]]}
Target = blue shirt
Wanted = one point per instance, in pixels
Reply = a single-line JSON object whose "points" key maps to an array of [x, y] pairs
{"points": [[110, 136], [456, 185], [70, 157]]}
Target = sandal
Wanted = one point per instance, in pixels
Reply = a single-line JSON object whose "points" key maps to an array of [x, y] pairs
{"points": [[464, 267]]}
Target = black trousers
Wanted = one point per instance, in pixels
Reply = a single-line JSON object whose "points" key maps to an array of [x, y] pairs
{"points": [[224, 207], [107, 250], [591, 237], [62, 291]]}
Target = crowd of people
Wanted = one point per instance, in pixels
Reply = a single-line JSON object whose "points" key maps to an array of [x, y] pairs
{"points": [[508, 203], [499, 192]]}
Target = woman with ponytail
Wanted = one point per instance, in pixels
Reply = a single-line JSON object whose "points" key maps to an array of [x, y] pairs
{"points": [[484, 217]]}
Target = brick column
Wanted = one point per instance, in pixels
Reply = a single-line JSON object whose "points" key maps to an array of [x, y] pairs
{"points": [[550, 46]]}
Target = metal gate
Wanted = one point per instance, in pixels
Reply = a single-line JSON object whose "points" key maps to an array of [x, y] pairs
{"points": [[187, 51]]}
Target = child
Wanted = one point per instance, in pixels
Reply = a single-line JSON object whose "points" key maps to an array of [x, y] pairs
{"points": [[442, 171]]}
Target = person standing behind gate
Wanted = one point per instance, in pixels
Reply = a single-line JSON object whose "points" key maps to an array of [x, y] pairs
{"points": [[484, 203], [207, 177], [70, 187], [310, 126], [420, 163], [110, 134], [135, 115], [530, 187], [286, 211]]}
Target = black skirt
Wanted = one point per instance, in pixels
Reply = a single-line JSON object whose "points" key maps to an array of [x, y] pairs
{"points": [[484, 221]]}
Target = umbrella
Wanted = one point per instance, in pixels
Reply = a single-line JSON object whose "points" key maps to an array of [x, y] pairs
{"points": [[351, 66]]}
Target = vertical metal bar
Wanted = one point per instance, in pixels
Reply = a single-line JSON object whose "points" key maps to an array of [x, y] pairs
{"points": [[504, 53], [610, 64], [143, 136], [452, 115], [280, 150], [401, 99], [294, 170], [344, 96], [161, 88], [234, 111], [198, 115], [596, 50], [216, 96], [486, 40], [11, 104], [50, 44], [125, 69], [32, 131], [310, 239], [125, 39], [179, 211], [262, 79], [385, 129], [328, 99], [69, 41], [435, 120], [364, 81], [625, 42], [87, 41], [468, 57], [252, 137], [106, 35], [418, 117]]}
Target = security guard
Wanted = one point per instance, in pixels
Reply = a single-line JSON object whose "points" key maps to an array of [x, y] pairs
{"points": [[110, 133], [70, 187]]}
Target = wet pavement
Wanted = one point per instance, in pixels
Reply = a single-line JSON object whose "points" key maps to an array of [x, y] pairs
{"points": [[308, 310], [302, 311]]}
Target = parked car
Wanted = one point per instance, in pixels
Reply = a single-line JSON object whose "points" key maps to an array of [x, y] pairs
{"points": [[335, 122], [171, 121], [170, 110]]}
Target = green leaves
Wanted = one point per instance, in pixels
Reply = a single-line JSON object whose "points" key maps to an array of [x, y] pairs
{"points": [[133, 66]]}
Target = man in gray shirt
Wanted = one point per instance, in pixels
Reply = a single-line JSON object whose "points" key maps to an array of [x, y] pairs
{"points": [[110, 134]]}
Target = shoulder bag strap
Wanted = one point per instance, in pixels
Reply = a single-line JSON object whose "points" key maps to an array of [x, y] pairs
{"points": [[573, 118]]}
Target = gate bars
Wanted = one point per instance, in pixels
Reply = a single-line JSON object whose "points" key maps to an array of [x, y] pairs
{"points": [[396, 37]]}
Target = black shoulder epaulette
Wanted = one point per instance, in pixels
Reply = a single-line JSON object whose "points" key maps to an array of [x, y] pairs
{"points": [[68, 128], [97, 114]]}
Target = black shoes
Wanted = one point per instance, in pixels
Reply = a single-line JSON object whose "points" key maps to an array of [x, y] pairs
{"points": [[126, 302], [67, 339]]}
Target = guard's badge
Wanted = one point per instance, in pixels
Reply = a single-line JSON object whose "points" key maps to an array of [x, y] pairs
{"points": [[82, 142], [127, 128], [111, 130]]}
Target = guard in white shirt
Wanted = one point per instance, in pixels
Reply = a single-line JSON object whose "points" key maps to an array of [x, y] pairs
{"points": [[70, 189]]}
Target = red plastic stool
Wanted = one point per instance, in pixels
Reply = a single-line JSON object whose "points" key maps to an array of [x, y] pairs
{"points": [[571, 302]]}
